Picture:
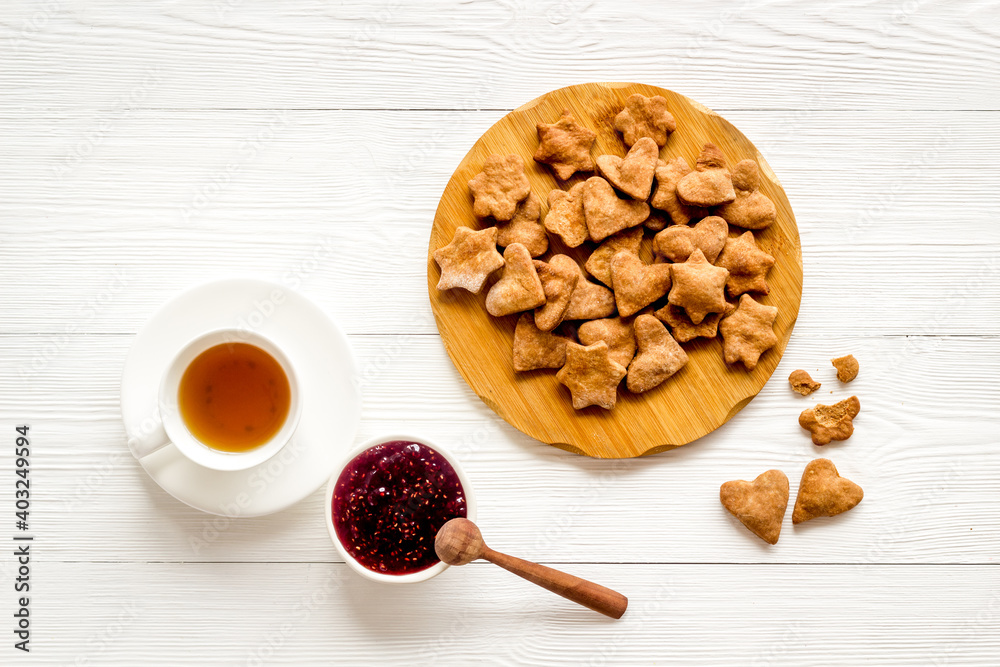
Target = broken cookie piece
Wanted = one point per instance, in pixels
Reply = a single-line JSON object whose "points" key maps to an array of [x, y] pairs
{"points": [[802, 382], [847, 367], [830, 422]]}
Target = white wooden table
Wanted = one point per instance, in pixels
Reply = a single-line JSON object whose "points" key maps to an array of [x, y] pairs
{"points": [[148, 147]]}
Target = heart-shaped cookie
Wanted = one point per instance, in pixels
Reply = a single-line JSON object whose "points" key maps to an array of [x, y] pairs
{"points": [[677, 242], [759, 505], [637, 284], [823, 492], [632, 174], [605, 213], [519, 287]]}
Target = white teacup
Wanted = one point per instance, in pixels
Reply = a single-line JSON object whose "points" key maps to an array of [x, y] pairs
{"points": [[170, 428]]}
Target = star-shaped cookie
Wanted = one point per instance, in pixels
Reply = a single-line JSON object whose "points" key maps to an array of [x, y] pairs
{"points": [[747, 265], [469, 259], [591, 375], [565, 146], [748, 332], [698, 287]]}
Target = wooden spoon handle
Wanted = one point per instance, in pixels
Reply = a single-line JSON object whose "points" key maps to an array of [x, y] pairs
{"points": [[590, 595]]}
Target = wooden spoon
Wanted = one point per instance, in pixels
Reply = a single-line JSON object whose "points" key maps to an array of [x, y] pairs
{"points": [[459, 542]]}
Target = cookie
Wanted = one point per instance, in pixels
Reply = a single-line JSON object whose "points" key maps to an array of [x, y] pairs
{"points": [[615, 332], [565, 146], [632, 174], [658, 358], [656, 221], [759, 505], [605, 213], [565, 217], [823, 492], [524, 227], [747, 265], [645, 117], [589, 301], [534, 348], [591, 375], [599, 262], [499, 187], [676, 243], [681, 326], [698, 287], [637, 284], [710, 183], [831, 422], [748, 332], [519, 287], [559, 277], [751, 209], [665, 193], [468, 260], [847, 367], [802, 383]]}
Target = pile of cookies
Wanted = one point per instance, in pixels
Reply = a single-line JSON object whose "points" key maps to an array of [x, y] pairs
{"points": [[617, 317]]}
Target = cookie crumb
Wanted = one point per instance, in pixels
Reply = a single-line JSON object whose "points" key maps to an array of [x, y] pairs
{"points": [[847, 367], [802, 382]]}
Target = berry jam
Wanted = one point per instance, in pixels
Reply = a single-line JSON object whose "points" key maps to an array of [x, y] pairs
{"points": [[389, 503]]}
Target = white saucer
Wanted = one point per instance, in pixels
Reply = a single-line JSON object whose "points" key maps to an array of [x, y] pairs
{"points": [[321, 355]]}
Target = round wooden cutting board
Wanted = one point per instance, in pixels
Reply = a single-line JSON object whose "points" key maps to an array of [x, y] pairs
{"points": [[707, 392]]}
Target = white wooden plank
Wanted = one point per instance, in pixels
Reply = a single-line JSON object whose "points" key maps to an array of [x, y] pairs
{"points": [[230, 53], [924, 451], [321, 199], [320, 614]]}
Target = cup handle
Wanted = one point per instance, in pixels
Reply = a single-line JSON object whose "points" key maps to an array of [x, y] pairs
{"points": [[147, 441]]}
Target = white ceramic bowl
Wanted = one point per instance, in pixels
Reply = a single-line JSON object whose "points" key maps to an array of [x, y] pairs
{"points": [[423, 575]]}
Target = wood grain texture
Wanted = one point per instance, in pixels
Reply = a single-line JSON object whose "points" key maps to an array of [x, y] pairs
{"points": [[147, 147], [96, 248], [707, 392], [924, 451], [321, 614], [230, 54]]}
